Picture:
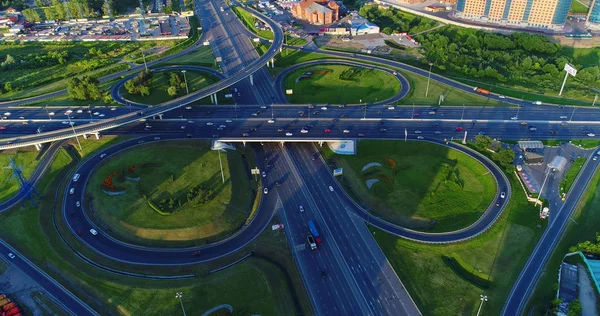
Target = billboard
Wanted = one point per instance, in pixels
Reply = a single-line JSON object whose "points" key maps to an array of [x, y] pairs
{"points": [[338, 172], [289, 91], [570, 70]]}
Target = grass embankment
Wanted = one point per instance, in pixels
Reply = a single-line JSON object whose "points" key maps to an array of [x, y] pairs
{"points": [[260, 286], [3, 266], [202, 56], [323, 83], [578, 8], [24, 157], [160, 83], [418, 84], [249, 21], [220, 209], [569, 178], [583, 226], [292, 40], [422, 186], [439, 289]]}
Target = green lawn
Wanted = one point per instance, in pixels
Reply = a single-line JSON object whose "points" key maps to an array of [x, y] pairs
{"points": [[25, 158], [360, 85], [257, 286], [578, 8], [65, 100], [500, 253], [290, 57], [248, 19], [202, 56], [570, 176], [296, 41], [183, 165], [3, 266], [418, 183], [160, 83]]}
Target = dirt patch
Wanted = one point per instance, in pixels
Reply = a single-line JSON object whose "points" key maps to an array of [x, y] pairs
{"points": [[18, 286], [578, 42]]}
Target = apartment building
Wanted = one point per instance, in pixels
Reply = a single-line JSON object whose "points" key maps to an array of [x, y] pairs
{"points": [[593, 18]]}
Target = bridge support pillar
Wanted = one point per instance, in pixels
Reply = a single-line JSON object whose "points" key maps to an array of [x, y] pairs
{"points": [[97, 135], [244, 142], [464, 141], [251, 80], [160, 116], [272, 62], [84, 136], [153, 117], [321, 143], [216, 99], [38, 146], [282, 143]]}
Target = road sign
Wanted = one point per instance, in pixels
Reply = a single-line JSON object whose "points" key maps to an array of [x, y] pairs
{"points": [[277, 226], [229, 95], [338, 172], [255, 171], [256, 39], [289, 91], [570, 70], [219, 59]]}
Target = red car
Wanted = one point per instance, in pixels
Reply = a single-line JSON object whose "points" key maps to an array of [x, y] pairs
{"points": [[2, 127], [311, 107], [79, 232], [196, 253], [458, 128], [417, 114], [327, 130]]}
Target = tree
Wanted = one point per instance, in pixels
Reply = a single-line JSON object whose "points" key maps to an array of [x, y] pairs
{"points": [[574, 308], [172, 91], [505, 157], [483, 142], [84, 88], [8, 62], [31, 15], [8, 87], [39, 3]]}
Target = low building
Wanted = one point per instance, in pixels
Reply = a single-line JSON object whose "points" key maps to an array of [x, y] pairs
{"points": [[318, 12], [434, 8], [334, 31], [362, 26]]}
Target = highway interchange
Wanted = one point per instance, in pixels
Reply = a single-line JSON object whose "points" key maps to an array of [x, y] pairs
{"points": [[360, 279]]}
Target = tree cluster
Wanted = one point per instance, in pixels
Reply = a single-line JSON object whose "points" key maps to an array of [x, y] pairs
{"points": [[140, 84], [588, 246], [503, 156], [15, 4], [32, 61], [75, 9], [31, 15], [395, 21], [84, 88], [176, 82]]}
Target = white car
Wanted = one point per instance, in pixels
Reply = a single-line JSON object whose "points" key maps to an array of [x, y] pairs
{"points": [[72, 190], [346, 131], [209, 124], [157, 138], [418, 132], [591, 135], [264, 174], [101, 115], [288, 134], [68, 112], [102, 156], [263, 106], [324, 108], [190, 122], [11, 255], [391, 108], [303, 131], [182, 126], [331, 188], [271, 121], [563, 116], [65, 122], [514, 118], [188, 107], [501, 96], [502, 195], [301, 209], [265, 191], [93, 232], [222, 126], [80, 111], [78, 204], [228, 121], [437, 132], [112, 109], [96, 113], [420, 137]]}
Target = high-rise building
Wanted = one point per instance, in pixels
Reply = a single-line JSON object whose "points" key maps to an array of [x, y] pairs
{"points": [[549, 14], [593, 18]]}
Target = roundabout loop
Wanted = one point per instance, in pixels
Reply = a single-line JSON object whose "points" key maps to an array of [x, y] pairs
{"points": [[404, 83]]}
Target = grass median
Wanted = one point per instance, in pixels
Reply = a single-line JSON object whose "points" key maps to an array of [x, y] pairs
{"points": [[174, 193], [258, 286], [26, 158], [418, 185], [323, 83]]}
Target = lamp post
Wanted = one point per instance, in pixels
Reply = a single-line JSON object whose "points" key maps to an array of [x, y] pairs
{"points": [[73, 128], [428, 78], [179, 295], [483, 298], [144, 58], [572, 113], [463, 113], [221, 164], [187, 90], [46, 108]]}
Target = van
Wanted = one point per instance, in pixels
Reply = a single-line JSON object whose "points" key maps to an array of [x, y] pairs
{"points": [[76, 177]]}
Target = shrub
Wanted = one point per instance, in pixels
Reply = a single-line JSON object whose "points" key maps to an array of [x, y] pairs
{"points": [[107, 183]]}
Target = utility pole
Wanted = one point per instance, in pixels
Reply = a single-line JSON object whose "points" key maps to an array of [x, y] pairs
{"points": [[73, 128], [572, 113], [463, 113]]}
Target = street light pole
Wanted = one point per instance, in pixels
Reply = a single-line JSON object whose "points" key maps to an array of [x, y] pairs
{"points": [[73, 128], [179, 295], [221, 164], [187, 90], [428, 78], [144, 57], [483, 298], [573, 113], [365, 116], [463, 113], [46, 108]]}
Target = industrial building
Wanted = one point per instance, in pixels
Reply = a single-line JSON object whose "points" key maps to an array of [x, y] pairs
{"points": [[548, 14]]}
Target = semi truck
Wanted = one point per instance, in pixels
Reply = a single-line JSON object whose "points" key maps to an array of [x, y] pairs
{"points": [[482, 91], [314, 231]]}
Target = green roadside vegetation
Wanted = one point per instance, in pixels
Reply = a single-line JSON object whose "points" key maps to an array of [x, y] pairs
{"points": [[421, 186], [323, 83], [160, 84], [261, 48], [583, 143], [179, 197], [26, 158], [583, 226], [266, 284], [66, 100], [249, 21], [569, 178], [487, 264], [3, 266], [292, 40], [202, 56], [418, 84], [392, 20], [578, 8]]}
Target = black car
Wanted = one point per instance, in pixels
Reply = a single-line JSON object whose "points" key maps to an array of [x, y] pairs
{"points": [[280, 130], [245, 134], [381, 122], [343, 116], [497, 203], [382, 130], [361, 135]]}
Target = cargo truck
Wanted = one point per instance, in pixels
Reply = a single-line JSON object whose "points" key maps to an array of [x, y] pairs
{"points": [[482, 91], [314, 231]]}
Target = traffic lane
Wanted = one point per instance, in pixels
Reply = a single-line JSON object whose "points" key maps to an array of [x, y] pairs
{"points": [[330, 296], [60, 294], [367, 272], [111, 248], [524, 285]]}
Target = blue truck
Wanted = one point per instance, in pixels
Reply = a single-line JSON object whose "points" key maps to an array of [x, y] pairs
{"points": [[314, 231]]}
